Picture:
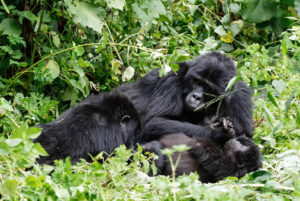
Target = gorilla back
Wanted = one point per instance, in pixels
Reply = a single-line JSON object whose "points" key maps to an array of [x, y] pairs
{"points": [[99, 123]]}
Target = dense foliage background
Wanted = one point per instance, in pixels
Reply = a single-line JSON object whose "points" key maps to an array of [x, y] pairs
{"points": [[54, 53]]}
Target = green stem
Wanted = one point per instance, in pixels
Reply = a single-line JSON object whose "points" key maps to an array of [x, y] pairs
{"points": [[5, 6], [12, 120]]}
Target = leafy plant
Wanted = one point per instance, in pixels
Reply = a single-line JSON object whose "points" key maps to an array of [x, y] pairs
{"points": [[54, 54]]}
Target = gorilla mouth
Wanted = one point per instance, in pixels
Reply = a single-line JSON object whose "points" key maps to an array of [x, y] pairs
{"points": [[192, 103]]}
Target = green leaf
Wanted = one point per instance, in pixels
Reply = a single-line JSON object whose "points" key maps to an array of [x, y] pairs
{"points": [[62, 193], [33, 182], [13, 142], [79, 71], [210, 43], [55, 39], [258, 11], [128, 74], [270, 117], [79, 51], [181, 147], [5, 105], [288, 103], [86, 14], [41, 151], [272, 99], [33, 132], [53, 68], [298, 120], [115, 67], [235, 28], [9, 188], [10, 27], [225, 19], [4, 148], [231, 82], [235, 8], [18, 133], [277, 127], [279, 85], [261, 175], [168, 151], [118, 4], [220, 30], [30, 16], [147, 10]]}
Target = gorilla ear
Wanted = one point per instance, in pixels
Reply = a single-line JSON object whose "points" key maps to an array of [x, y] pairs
{"points": [[183, 66], [124, 120]]}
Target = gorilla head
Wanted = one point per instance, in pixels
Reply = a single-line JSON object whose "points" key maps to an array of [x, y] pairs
{"points": [[206, 78], [244, 153]]}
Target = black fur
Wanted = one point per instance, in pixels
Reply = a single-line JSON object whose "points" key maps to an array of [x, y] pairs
{"points": [[99, 123], [212, 162], [167, 104]]}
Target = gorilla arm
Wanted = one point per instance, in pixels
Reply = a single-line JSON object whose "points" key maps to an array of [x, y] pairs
{"points": [[157, 127]]}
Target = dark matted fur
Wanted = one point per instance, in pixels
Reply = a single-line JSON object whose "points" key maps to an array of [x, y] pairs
{"points": [[160, 101], [96, 124], [211, 161]]}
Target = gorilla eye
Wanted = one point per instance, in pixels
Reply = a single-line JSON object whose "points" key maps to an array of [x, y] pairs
{"points": [[125, 119], [196, 82]]}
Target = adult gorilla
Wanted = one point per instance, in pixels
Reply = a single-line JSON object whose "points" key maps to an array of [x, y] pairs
{"points": [[182, 101]]}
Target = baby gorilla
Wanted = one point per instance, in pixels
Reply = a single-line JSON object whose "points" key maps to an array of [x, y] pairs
{"points": [[212, 162], [99, 123]]}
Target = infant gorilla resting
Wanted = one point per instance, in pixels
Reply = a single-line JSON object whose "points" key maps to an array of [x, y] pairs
{"points": [[213, 162]]}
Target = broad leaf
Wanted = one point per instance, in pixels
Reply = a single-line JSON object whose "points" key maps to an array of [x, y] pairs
{"points": [[86, 14], [148, 10], [33, 132], [10, 26], [128, 74], [257, 11], [220, 30], [53, 68], [13, 142], [279, 85], [4, 148], [118, 4]]}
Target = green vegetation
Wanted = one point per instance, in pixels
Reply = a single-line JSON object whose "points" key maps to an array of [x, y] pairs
{"points": [[54, 53]]}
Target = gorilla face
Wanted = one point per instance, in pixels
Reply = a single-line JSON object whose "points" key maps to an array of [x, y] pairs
{"points": [[206, 78], [244, 153], [195, 98], [198, 93]]}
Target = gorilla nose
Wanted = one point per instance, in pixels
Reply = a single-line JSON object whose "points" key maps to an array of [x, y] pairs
{"points": [[197, 96]]}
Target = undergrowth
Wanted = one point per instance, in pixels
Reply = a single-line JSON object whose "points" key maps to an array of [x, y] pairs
{"points": [[54, 54]]}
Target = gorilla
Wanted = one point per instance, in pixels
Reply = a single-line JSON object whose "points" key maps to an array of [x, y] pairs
{"points": [[181, 101], [99, 123], [213, 162]]}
